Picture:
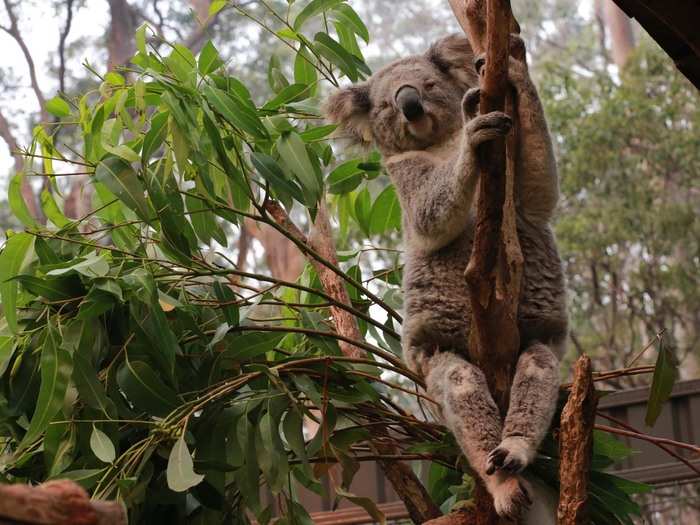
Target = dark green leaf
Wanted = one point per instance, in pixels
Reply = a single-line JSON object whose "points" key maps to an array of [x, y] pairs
{"points": [[665, 375], [272, 173], [51, 289], [14, 256], [209, 59], [344, 178], [56, 367], [386, 212], [348, 17], [235, 111], [121, 179], [312, 9], [293, 152], [155, 136], [339, 56], [145, 389]]}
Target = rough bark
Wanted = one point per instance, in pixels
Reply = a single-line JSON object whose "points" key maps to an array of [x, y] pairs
{"points": [[61, 502], [494, 270], [619, 28], [576, 446]]}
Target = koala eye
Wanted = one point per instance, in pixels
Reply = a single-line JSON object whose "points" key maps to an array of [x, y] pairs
{"points": [[429, 85]]}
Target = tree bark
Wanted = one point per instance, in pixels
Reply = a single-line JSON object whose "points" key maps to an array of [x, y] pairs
{"points": [[576, 446], [60, 502], [120, 40], [619, 28], [494, 270]]}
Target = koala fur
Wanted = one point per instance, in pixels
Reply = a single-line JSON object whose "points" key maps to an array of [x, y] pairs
{"points": [[421, 113]]}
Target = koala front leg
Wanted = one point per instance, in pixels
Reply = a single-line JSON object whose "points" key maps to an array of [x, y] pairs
{"points": [[470, 413], [533, 399], [436, 194]]}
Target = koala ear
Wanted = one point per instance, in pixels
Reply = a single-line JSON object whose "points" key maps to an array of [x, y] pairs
{"points": [[349, 108], [454, 56]]}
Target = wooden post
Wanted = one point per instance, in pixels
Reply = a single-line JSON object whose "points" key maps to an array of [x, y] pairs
{"points": [[576, 446], [495, 267]]}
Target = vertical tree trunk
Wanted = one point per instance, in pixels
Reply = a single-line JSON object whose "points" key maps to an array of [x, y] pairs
{"points": [[619, 28], [495, 267]]}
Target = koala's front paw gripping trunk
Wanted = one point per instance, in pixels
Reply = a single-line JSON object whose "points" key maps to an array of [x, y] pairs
{"points": [[471, 414]]}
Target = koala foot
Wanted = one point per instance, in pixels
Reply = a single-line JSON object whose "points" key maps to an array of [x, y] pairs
{"points": [[484, 128], [470, 103], [510, 497], [512, 455]]}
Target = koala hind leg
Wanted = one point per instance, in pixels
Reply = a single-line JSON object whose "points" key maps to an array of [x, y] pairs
{"points": [[471, 414], [533, 398]]}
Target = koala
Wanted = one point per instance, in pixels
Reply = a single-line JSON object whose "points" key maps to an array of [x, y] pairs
{"points": [[421, 112]]}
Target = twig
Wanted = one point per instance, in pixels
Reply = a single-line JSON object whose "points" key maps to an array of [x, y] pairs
{"points": [[663, 447], [648, 438]]}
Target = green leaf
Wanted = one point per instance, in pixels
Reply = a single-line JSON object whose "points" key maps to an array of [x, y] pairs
{"points": [[665, 375], [345, 177], [293, 152], [92, 265], [204, 221], [115, 79], [272, 173], [348, 17], [95, 304], [17, 203], [180, 472], [318, 132], [52, 211], [91, 391], [293, 427], [312, 9], [333, 51], [120, 178], [141, 38], [366, 503], [386, 212], [51, 289], [56, 366], [224, 294], [13, 258], [271, 454], [155, 136], [235, 111], [102, 446], [58, 107], [304, 68], [181, 62], [216, 6], [290, 93], [144, 388], [209, 59], [7, 349], [251, 345], [363, 209]]}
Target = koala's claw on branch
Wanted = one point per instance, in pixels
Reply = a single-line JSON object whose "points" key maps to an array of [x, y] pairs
{"points": [[479, 62], [470, 103], [511, 497], [484, 128], [511, 456]]}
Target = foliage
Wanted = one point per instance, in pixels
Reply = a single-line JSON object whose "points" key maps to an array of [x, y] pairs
{"points": [[133, 354]]}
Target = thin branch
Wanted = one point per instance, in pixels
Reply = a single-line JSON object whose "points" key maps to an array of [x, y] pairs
{"points": [[15, 33], [662, 446], [648, 438], [62, 46]]}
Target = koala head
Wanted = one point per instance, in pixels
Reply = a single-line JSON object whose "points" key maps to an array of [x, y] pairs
{"points": [[410, 104]]}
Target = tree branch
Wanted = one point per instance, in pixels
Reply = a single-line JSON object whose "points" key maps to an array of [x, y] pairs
{"points": [[15, 33], [62, 46]]}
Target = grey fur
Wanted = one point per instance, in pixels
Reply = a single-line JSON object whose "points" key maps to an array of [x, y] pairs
{"points": [[432, 163]]}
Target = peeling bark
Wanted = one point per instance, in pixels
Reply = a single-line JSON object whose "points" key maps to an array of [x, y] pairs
{"points": [[576, 446]]}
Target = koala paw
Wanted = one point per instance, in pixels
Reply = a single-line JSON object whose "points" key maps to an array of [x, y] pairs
{"points": [[510, 498], [484, 128], [512, 455], [470, 103]]}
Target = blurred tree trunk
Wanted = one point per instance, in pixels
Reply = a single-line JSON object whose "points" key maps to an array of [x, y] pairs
{"points": [[120, 41], [619, 27]]}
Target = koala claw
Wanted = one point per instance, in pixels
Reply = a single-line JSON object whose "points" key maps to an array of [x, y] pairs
{"points": [[484, 128], [470, 103], [510, 497], [512, 456], [479, 62]]}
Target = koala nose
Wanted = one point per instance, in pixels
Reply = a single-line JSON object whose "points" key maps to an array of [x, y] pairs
{"points": [[408, 101]]}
